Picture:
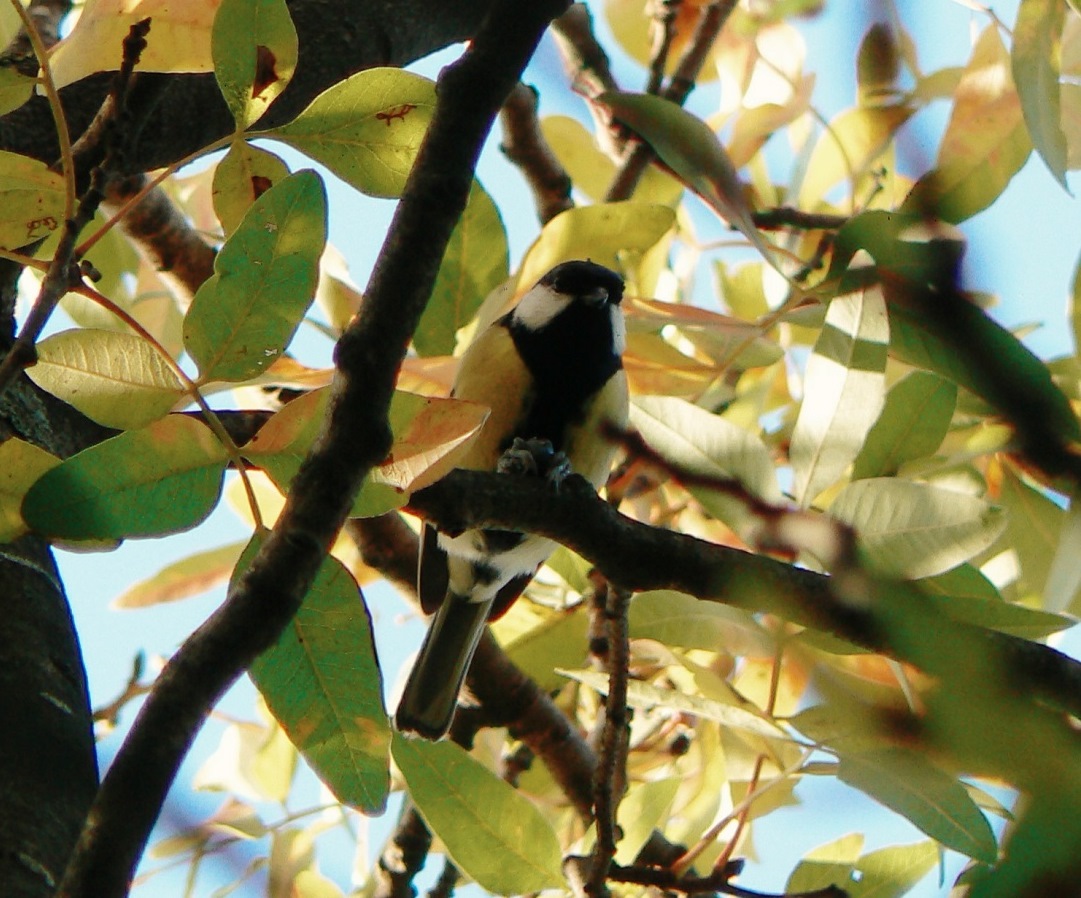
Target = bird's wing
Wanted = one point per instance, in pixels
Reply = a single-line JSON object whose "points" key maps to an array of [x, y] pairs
{"points": [[433, 574]]}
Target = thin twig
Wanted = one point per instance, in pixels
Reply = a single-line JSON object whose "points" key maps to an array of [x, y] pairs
{"points": [[715, 882], [583, 57], [638, 154], [787, 217], [663, 30]]}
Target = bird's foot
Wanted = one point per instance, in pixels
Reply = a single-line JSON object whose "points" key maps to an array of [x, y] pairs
{"points": [[535, 458]]}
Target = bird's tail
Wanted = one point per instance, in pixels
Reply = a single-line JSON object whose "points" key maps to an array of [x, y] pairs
{"points": [[431, 692]]}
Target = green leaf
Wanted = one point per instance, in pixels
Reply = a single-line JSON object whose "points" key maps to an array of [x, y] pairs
{"points": [[935, 802], [844, 388], [647, 696], [644, 809], [492, 833], [602, 232], [254, 45], [1064, 577], [114, 378], [366, 129], [539, 640], [913, 422], [678, 619], [322, 683], [15, 89], [827, 865], [264, 279], [32, 196], [21, 465], [913, 529], [891, 872], [1037, 37], [986, 141], [1034, 524], [688, 146], [162, 479], [183, 579], [244, 174], [849, 148], [475, 263]]}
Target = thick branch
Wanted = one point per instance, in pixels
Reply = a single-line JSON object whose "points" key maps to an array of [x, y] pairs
{"points": [[356, 436]]}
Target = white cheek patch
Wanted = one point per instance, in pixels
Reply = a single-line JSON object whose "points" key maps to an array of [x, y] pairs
{"points": [[539, 306], [619, 329]]}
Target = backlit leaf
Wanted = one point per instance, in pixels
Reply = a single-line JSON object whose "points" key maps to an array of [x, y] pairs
{"points": [[188, 577], [21, 464], [474, 263], [678, 619], [891, 872], [688, 146], [264, 279], [844, 388], [1035, 54], [254, 45], [15, 89], [366, 129], [491, 832], [916, 530], [935, 802], [321, 681], [915, 418], [160, 479], [986, 141], [114, 378], [32, 197], [600, 232], [244, 174]]}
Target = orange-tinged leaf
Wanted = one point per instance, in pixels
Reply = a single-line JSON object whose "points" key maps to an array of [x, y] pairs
{"points": [[986, 141], [179, 40], [183, 579], [430, 436]]}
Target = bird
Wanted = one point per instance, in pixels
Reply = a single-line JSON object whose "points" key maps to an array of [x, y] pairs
{"points": [[551, 371]]}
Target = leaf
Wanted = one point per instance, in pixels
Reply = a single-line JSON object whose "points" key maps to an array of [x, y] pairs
{"points": [[678, 619], [254, 46], [1037, 37], [264, 279], [647, 696], [114, 378], [491, 832], [688, 146], [244, 174], [539, 640], [21, 465], [321, 681], [32, 197], [1033, 528], [600, 232], [366, 129], [891, 872], [935, 802], [844, 389], [179, 40], [986, 141], [914, 420], [849, 148], [913, 529], [283, 442], [1064, 577], [15, 89], [827, 865], [161, 479], [643, 810], [252, 761], [182, 579], [474, 264]]}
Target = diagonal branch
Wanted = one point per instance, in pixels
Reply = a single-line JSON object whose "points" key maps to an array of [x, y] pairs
{"points": [[355, 437]]}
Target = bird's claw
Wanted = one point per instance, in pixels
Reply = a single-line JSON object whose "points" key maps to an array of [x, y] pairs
{"points": [[535, 458]]}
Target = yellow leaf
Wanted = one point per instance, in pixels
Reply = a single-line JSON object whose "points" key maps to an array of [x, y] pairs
{"points": [[32, 198], [21, 464]]}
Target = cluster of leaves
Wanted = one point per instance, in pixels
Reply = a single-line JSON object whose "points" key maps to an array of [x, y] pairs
{"points": [[816, 386]]}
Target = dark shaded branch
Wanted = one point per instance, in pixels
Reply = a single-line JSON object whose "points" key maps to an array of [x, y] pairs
{"points": [[787, 217], [643, 557], [355, 437], [403, 857], [583, 57], [716, 882]]}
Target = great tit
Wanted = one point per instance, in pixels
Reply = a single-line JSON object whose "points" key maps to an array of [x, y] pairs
{"points": [[551, 372]]}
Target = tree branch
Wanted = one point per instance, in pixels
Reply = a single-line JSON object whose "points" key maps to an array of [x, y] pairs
{"points": [[355, 437]]}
